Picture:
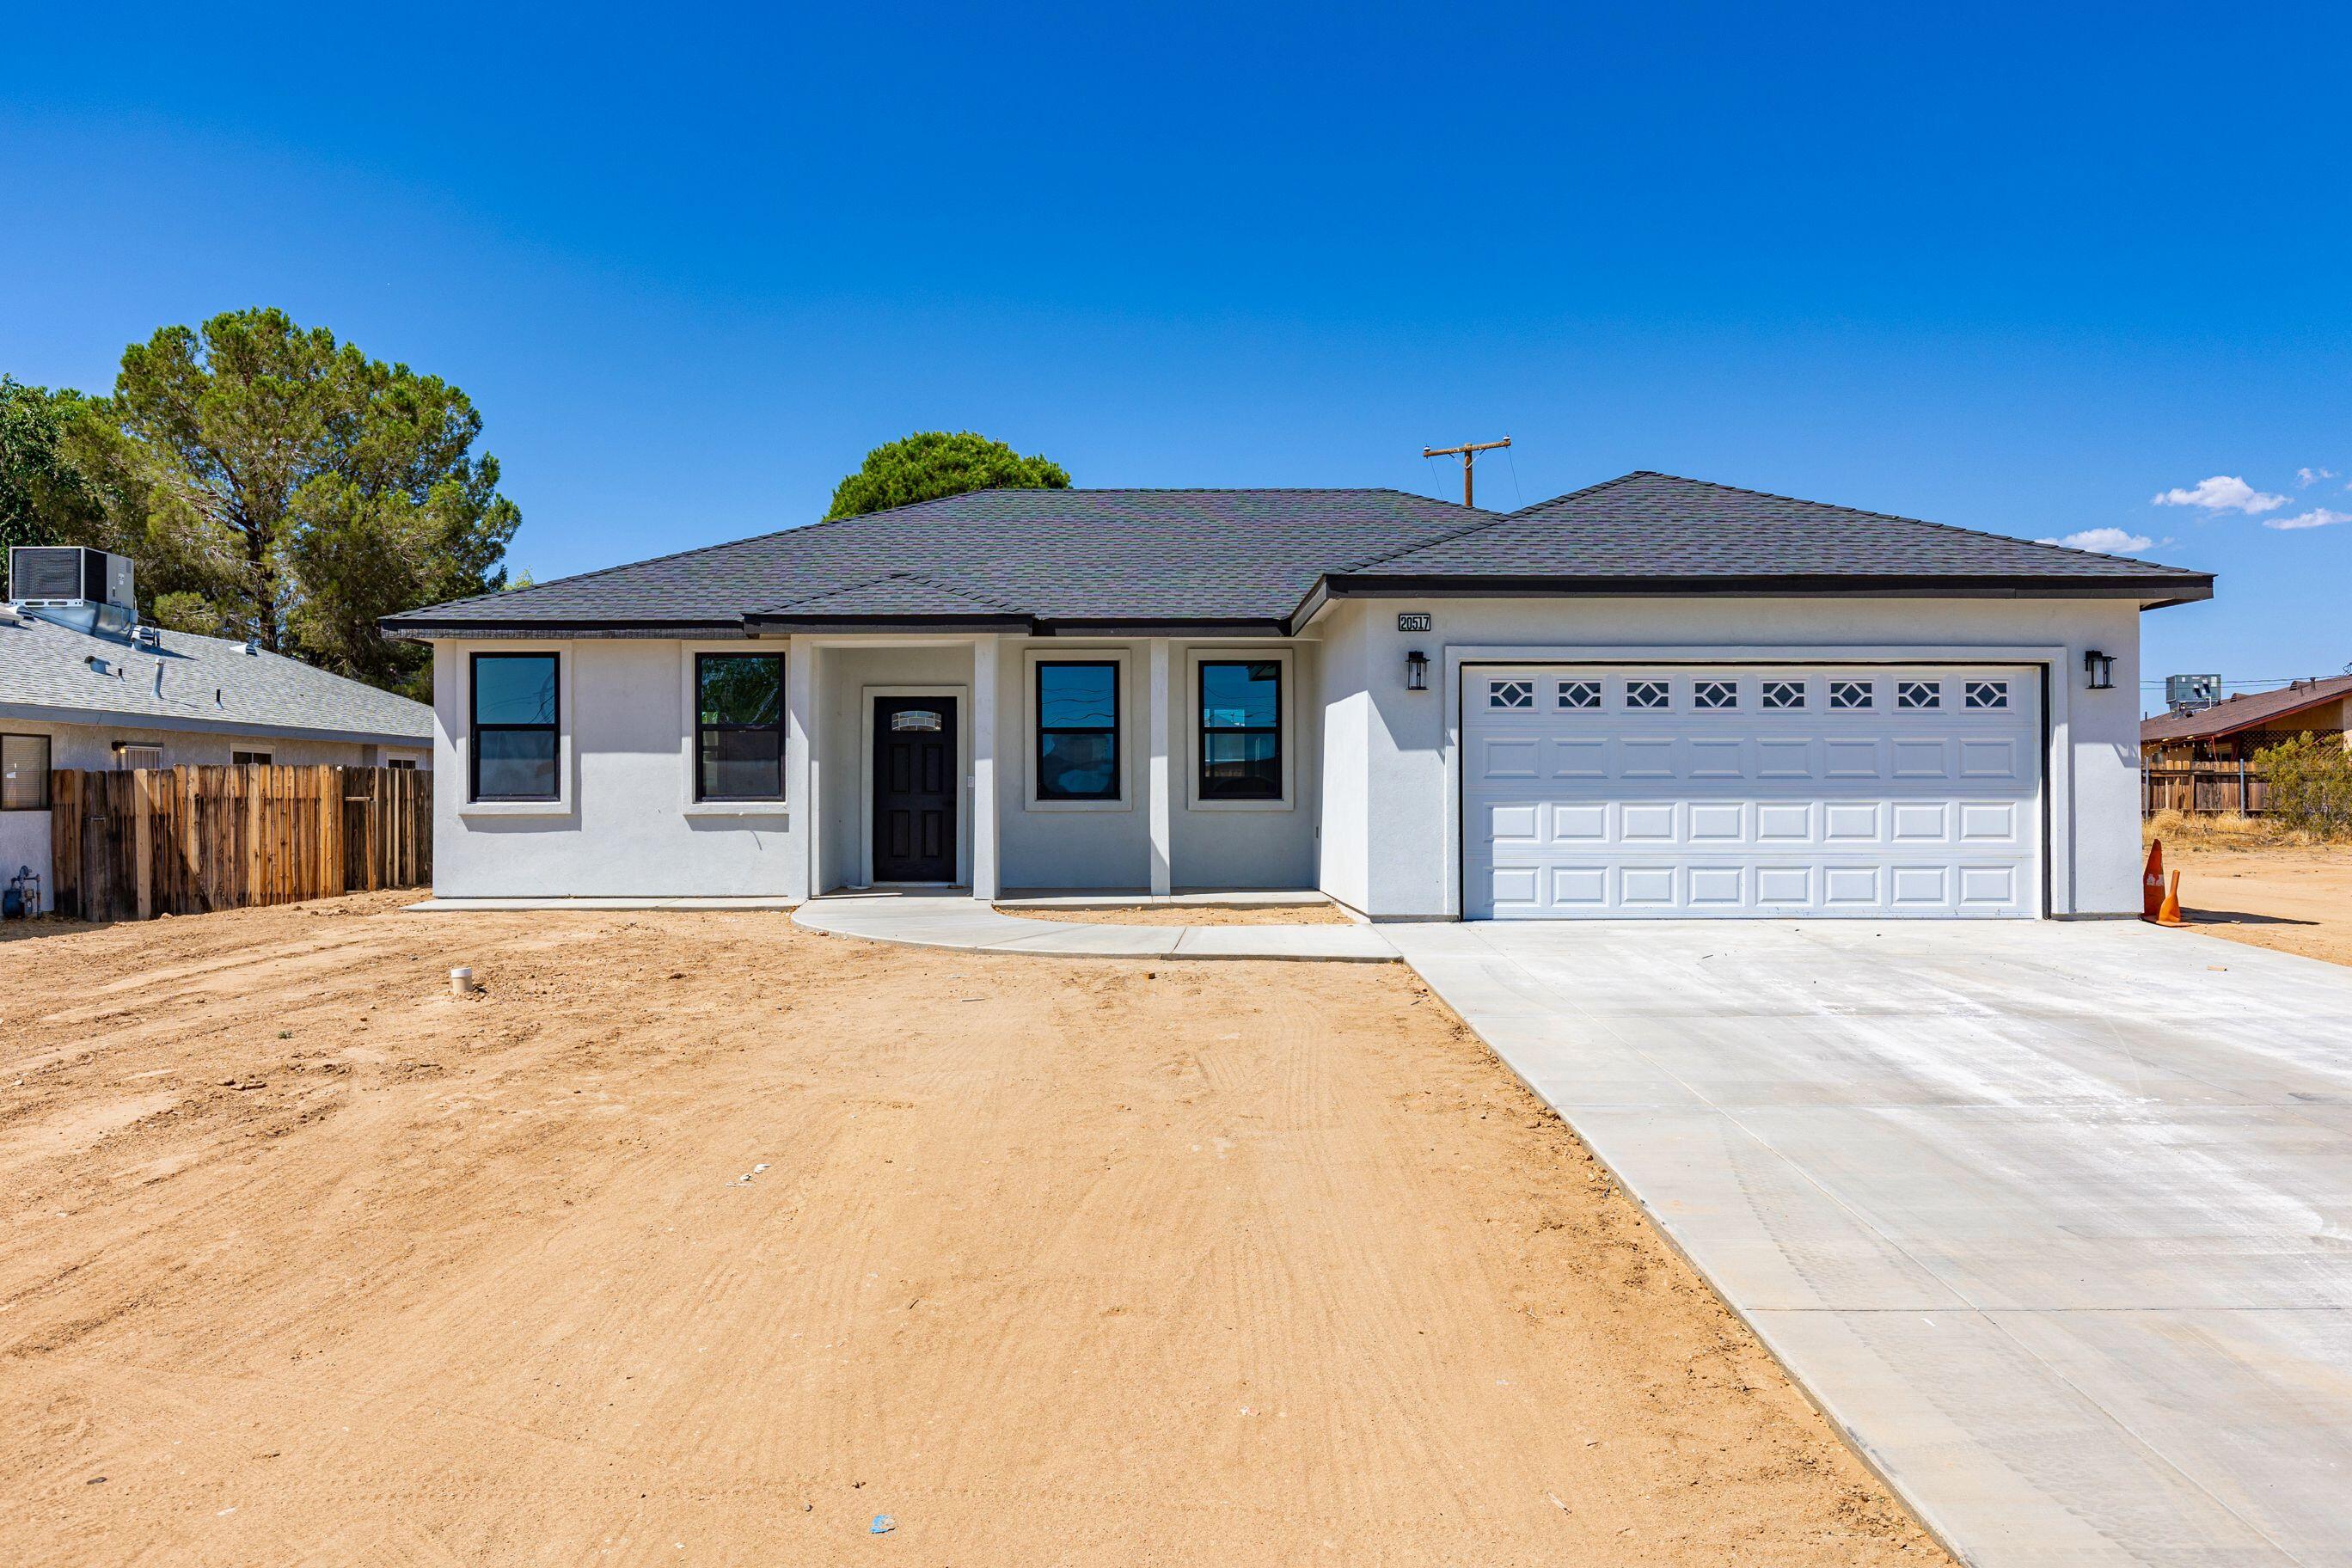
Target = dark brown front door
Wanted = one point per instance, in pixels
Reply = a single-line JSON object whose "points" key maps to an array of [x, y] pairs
{"points": [[914, 789]]}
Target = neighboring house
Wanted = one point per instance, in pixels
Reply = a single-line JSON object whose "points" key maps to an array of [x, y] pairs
{"points": [[2202, 760], [2232, 730], [1651, 697], [82, 687]]}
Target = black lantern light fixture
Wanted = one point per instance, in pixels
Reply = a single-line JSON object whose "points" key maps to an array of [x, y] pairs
{"points": [[1416, 671], [2101, 669]]}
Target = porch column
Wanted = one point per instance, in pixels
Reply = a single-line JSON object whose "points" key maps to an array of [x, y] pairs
{"points": [[801, 878], [983, 766], [1158, 814]]}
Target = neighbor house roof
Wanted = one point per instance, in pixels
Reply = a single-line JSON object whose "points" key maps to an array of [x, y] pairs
{"points": [[2247, 711], [47, 672], [1077, 561]]}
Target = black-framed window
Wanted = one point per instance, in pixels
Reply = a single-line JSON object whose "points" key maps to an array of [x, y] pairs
{"points": [[243, 758], [738, 726], [1078, 729], [23, 773], [1241, 730], [514, 727]]}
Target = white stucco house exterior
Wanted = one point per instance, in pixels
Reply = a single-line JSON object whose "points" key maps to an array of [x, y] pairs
{"points": [[83, 686], [1654, 697]]}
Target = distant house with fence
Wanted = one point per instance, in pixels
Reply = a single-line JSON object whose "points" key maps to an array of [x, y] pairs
{"points": [[84, 687], [2201, 760]]}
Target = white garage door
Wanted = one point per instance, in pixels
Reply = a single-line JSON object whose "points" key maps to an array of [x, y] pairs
{"points": [[1765, 790]]}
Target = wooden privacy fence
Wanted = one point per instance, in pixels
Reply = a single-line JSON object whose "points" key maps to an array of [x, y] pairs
{"points": [[2203, 789], [182, 841]]}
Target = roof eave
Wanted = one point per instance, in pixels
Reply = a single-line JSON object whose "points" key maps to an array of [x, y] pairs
{"points": [[407, 629], [2152, 593]]}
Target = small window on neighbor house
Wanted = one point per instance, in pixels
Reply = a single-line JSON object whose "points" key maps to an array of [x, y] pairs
{"points": [[1241, 730], [1784, 694], [1717, 693], [128, 759], [1510, 694], [514, 726], [243, 758], [1918, 694], [1987, 694], [738, 726], [1850, 694], [406, 764], [1579, 694], [1078, 729], [23, 773], [1646, 694]]}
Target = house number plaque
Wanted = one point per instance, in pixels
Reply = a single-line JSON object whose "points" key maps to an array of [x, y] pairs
{"points": [[1413, 621]]}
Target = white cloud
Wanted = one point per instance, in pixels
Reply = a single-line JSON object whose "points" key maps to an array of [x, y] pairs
{"points": [[2107, 541], [2222, 492], [2318, 517], [2307, 478]]}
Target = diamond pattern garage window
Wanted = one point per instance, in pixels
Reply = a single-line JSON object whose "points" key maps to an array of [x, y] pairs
{"points": [[1579, 694], [1784, 694], [1850, 694], [1717, 693], [1987, 694], [1646, 694], [1918, 694], [1510, 694]]}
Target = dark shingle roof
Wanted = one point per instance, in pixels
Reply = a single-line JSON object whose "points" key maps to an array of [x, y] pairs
{"points": [[1077, 558], [1654, 526], [2247, 711], [1140, 555]]}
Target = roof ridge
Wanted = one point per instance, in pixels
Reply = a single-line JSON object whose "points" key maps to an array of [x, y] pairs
{"points": [[1490, 520], [962, 593], [897, 575]]}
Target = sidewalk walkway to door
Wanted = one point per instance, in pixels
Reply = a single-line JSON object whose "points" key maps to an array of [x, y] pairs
{"points": [[958, 920]]}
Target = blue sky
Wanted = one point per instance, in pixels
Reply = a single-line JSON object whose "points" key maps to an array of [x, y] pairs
{"points": [[2006, 269]]}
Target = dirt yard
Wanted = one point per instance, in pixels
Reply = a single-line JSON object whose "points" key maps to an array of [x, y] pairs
{"points": [[1192, 915], [700, 1239], [2294, 899]]}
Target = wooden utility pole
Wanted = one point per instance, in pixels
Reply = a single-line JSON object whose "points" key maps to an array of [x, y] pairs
{"points": [[1469, 452]]}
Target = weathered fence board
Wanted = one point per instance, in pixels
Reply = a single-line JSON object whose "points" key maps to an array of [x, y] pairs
{"points": [[2203, 789], [182, 841]]}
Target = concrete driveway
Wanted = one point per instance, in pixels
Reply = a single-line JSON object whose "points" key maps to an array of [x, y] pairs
{"points": [[2054, 1220]]}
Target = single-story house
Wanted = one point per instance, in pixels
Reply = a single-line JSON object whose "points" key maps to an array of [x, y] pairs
{"points": [[83, 686], [1651, 697], [2232, 730]]}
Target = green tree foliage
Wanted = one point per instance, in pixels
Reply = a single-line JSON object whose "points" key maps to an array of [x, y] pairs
{"points": [[290, 487], [934, 463], [2307, 783], [44, 497]]}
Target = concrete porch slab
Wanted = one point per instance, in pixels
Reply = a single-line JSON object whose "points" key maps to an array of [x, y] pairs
{"points": [[959, 921]]}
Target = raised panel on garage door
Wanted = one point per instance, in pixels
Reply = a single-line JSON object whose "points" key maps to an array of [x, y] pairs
{"points": [[1702, 790]]}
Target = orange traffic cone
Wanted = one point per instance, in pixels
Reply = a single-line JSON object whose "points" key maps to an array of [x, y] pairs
{"points": [[2151, 882], [2169, 915]]}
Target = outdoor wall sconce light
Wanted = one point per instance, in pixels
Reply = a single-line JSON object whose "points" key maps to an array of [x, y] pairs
{"points": [[2101, 668], [1416, 671]]}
